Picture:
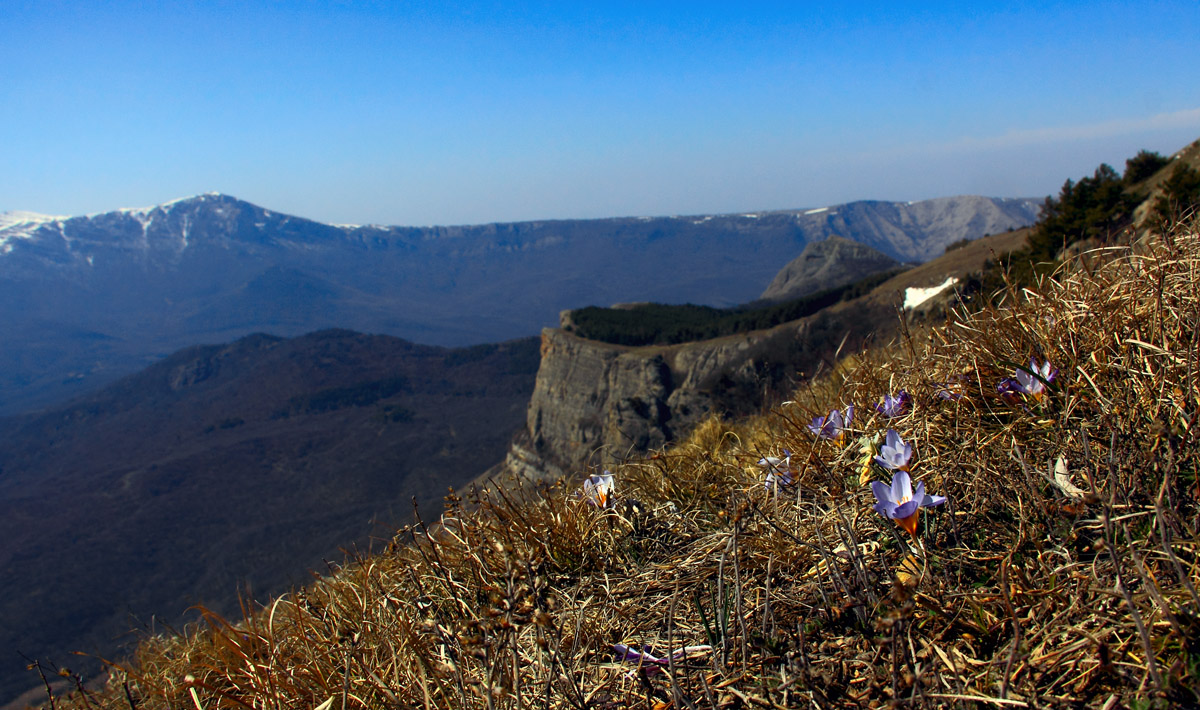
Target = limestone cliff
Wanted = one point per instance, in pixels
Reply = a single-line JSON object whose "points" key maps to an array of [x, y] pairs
{"points": [[595, 403]]}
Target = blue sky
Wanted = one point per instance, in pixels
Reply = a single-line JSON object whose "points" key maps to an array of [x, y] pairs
{"points": [[453, 113]]}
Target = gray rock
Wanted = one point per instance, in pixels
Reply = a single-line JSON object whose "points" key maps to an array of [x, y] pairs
{"points": [[834, 262], [596, 404]]}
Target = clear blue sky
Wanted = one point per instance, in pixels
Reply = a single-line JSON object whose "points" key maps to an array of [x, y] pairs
{"points": [[427, 113]]}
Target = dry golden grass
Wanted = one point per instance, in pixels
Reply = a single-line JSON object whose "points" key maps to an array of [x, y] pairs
{"points": [[1024, 590]]}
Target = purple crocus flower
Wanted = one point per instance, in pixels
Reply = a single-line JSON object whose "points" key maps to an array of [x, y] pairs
{"points": [[626, 653], [900, 503], [833, 425], [778, 470], [598, 490], [1033, 381], [894, 406], [895, 452], [653, 664], [1009, 388], [950, 391], [1030, 382]]}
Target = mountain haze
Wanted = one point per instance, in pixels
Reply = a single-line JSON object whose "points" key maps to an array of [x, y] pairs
{"points": [[84, 300]]}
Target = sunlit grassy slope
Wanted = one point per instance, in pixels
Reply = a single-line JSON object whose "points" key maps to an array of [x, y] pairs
{"points": [[1061, 572]]}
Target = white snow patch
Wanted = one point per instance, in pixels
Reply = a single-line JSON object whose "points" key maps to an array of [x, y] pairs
{"points": [[750, 216], [345, 226], [16, 217], [17, 224], [135, 211], [702, 220], [817, 210], [914, 297]]}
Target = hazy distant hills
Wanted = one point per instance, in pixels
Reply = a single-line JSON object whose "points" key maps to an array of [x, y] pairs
{"points": [[84, 300], [250, 462]]}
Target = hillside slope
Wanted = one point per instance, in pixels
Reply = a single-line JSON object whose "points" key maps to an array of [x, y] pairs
{"points": [[1055, 568], [231, 466]]}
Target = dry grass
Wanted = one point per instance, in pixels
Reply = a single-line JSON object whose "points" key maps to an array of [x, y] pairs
{"points": [[1019, 592]]}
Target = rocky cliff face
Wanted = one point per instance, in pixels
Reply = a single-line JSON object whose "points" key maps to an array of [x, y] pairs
{"points": [[594, 403], [834, 262]]}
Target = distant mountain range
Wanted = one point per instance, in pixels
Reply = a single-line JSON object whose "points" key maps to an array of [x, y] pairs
{"points": [[84, 300], [240, 464]]}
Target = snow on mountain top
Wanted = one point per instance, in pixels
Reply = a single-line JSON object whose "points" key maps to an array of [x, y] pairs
{"points": [[17, 224], [141, 211], [13, 218]]}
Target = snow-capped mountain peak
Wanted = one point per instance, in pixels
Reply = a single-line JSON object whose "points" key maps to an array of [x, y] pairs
{"points": [[17, 224], [15, 218], [165, 205]]}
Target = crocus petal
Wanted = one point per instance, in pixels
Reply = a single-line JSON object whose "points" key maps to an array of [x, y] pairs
{"points": [[905, 510], [882, 492], [909, 523], [817, 426], [930, 501], [681, 653], [901, 487], [598, 489], [925, 500]]}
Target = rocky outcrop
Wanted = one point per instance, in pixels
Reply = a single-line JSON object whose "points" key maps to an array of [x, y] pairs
{"points": [[594, 403], [834, 262]]}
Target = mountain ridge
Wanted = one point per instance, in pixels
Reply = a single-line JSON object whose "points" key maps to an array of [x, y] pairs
{"points": [[213, 268]]}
